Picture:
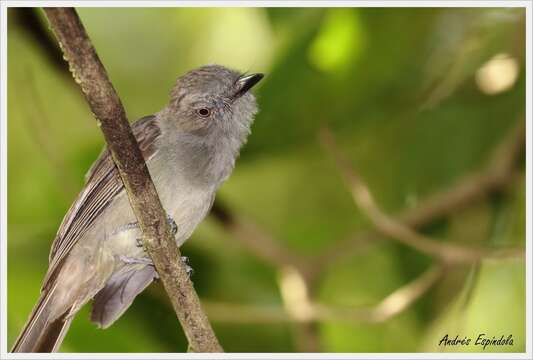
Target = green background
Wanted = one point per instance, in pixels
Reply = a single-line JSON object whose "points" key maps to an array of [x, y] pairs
{"points": [[398, 89]]}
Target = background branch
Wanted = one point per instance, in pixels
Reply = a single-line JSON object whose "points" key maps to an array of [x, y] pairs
{"points": [[256, 240], [402, 232], [500, 170], [496, 176], [105, 104], [298, 308]]}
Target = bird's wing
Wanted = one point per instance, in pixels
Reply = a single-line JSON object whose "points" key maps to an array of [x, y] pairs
{"points": [[103, 184]]}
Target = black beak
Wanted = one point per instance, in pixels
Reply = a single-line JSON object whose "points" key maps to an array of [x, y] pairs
{"points": [[245, 83]]}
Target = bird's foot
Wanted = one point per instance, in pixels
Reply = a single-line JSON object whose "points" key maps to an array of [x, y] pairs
{"points": [[188, 268], [173, 225], [147, 261], [173, 228]]}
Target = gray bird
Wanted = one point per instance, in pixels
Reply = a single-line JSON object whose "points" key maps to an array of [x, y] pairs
{"points": [[190, 148]]}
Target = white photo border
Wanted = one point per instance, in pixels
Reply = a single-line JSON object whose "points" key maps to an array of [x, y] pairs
{"points": [[5, 4]]}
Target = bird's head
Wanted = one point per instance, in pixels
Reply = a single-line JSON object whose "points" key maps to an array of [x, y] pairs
{"points": [[214, 99]]}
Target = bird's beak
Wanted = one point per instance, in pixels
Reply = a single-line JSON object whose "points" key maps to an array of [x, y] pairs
{"points": [[245, 83]]}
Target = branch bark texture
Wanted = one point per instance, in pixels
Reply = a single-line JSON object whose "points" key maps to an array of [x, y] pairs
{"points": [[159, 242]]}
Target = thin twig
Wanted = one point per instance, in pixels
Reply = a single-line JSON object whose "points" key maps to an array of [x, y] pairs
{"points": [[400, 231], [255, 239], [467, 190], [295, 294], [105, 104], [499, 171], [405, 296], [392, 305]]}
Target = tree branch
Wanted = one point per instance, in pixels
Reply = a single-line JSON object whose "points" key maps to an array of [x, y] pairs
{"points": [[255, 239], [105, 104], [499, 171], [402, 232], [405, 296], [299, 308]]}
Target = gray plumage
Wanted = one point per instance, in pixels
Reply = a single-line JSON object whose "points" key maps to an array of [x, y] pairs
{"points": [[190, 148]]}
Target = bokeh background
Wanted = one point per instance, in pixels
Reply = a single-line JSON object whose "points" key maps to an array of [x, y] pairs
{"points": [[417, 99]]}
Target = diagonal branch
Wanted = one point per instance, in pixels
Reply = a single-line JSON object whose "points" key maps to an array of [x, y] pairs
{"points": [[499, 171], [398, 230], [405, 296], [105, 104], [393, 304], [299, 308], [256, 240]]}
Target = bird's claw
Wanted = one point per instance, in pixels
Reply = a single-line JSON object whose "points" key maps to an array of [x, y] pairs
{"points": [[173, 228], [147, 261], [173, 225], [188, 268]]}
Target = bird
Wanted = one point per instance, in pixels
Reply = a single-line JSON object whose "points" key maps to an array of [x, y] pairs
{"points": [[190, 148]]}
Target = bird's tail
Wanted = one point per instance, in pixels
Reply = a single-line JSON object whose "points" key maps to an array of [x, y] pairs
{"points": [[42, 334]]}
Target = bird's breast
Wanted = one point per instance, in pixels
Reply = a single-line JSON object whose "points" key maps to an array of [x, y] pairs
{"points": [[186, 199]]}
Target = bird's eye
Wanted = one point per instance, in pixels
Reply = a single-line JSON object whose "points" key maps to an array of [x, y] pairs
{"points": [[203, 112]]}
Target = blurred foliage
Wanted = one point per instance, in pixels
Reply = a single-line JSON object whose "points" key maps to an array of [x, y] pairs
{"points": [[398, 88]]}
